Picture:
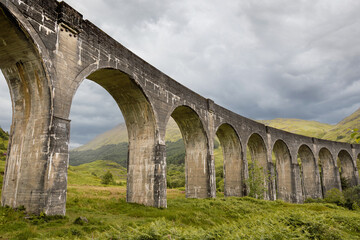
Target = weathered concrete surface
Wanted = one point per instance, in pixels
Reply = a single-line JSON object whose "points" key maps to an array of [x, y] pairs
{"points": [[47, 49], [310, 176], [233, 163]]}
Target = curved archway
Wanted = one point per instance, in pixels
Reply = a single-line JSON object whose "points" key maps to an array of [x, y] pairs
{"points": [[233, 165], [309, 173], [258, 167], [284, 179], [145, 181], [328, 171], [29, 143], [197, 157], [346, 169]]}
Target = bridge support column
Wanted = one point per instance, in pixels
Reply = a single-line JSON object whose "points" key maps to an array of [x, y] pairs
{"points": [[160, 177], [297, 186], [272, 181]]}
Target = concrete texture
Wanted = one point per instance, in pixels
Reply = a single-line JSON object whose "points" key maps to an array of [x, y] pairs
{"points": [[47, 49]]}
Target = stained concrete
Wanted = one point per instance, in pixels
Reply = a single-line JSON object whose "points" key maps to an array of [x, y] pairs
{"points": [[47, 49]]}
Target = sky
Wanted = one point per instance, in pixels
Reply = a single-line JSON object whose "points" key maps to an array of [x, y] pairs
{"points": [[260, 59]]}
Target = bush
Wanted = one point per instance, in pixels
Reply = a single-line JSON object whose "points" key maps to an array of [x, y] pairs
{"points": [[256, 181], [335, 196], [345, 183], [107, 178], [352, 197]]}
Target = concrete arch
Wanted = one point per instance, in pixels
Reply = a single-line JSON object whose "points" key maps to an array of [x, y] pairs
{"points": [[197, 156], [346, 169], [328, 171], [233, 164], [141, 126], [311, 183], [22, 61], [258, 154], [285, 184]]}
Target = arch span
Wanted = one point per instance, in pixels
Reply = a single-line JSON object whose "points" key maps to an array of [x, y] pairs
{"points": [[346, 169], [258, 159], [197, 157], [285, 184], [233, 165], [310, 176], [31, 142], [145, 179], [328, 171]]}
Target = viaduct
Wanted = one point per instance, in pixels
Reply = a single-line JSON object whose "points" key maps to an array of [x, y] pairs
{"points": [[47, 49]]}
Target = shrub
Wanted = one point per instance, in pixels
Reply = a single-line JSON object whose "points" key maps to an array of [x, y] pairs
{"points": [[352, 197], [256, 181], [345, 183], [107, 178], [335, 196]]}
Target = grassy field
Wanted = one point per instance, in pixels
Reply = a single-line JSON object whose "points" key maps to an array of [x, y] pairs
{"points": [[110, 217]]}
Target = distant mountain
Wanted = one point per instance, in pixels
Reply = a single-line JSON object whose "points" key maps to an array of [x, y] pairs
{"points": [[340, 132], [299, 126], [113, 145], [119, 135]]}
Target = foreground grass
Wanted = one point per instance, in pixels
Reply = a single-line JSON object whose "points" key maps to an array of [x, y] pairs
{"points": [[110, 217]]}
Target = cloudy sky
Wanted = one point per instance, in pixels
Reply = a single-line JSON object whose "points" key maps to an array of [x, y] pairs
{"points": [[261, 59]]}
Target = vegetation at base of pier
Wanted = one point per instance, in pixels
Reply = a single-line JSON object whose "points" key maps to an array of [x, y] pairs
{"points": [[4, 140], [97, 211]]}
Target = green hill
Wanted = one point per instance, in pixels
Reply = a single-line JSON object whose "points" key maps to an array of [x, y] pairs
{"points": [[340, 132], [113, 145], [119, 135], [299, 126]]}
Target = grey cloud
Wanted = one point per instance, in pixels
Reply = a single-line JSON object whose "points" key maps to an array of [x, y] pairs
{"points": [[261, 59]]}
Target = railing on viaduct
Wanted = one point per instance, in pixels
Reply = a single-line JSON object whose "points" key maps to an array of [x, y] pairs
{"points": [[47, 49]]}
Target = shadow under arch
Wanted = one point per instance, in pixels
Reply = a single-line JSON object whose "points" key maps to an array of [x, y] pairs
{"points": [[347, 170], [146, 183], [328, 171], [257, 158], [233, 163], [30, 143], [197, 157], [310, 176], [285, 184]]}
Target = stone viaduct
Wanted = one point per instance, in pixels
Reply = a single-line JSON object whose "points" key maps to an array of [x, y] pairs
{"points": [[47, 49]]}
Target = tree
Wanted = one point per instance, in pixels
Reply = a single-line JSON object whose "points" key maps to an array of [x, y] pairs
{"points": [[107, 178]]}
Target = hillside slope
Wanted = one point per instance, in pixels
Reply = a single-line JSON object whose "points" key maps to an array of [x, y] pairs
{"points": [[299, 126], [119, 135], [342, 131]]}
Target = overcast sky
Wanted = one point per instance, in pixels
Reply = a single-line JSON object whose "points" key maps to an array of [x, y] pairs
{"points": [[261, 59]]}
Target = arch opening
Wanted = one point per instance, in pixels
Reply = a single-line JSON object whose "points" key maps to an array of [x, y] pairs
{"points": [[259, 179], [328, 171], [141, 128], [310, 177], [285, 184], [347, 170], [197, 157], [232, 160]]}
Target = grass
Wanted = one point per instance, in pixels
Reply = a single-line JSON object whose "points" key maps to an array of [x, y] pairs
{"points": [[110, 217]]}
